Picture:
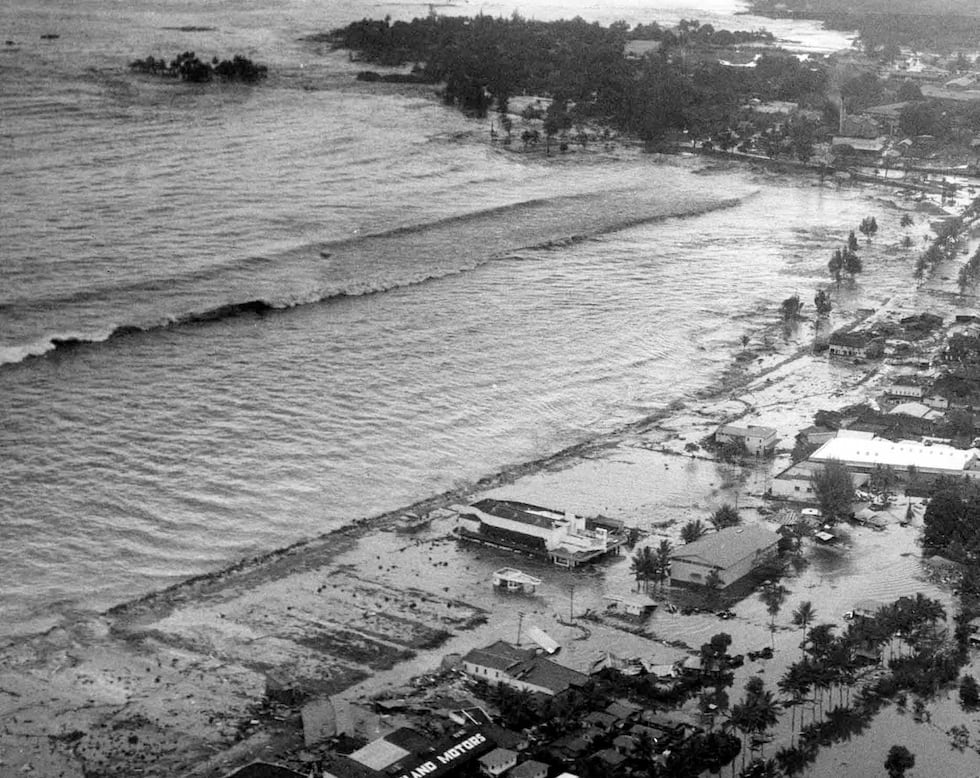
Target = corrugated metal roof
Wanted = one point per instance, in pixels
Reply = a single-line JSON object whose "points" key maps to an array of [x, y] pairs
{"points": [[543, 639]]}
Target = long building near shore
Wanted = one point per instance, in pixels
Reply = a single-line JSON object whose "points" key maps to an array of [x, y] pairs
{"points": [[563, 538], [862, 453]]}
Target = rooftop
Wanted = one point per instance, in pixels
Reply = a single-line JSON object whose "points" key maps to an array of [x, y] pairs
{"points": [[750, 430], [727, 546], [879, 451], [528, 768], [550, 675], [519, 511], [500, 655]]}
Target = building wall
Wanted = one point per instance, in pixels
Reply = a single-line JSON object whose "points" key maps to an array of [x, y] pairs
{"points": [[493, 676], [754, 444], [498, 765], [489, 674], [800, 489], [840, 350], [905, 390]]}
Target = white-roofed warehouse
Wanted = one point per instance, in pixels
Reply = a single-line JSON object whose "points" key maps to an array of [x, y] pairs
{"points": [[861, 453]]}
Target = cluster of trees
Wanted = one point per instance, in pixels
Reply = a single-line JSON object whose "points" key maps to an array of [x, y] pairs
{"points": [[970, 272], [824, 684], [834, 489], [188, 67], [920, 661], [691, 31], [846, 259], [583, 67], [649, 564], [652, 565], [791, 307], [951, 520], [943, 247]]}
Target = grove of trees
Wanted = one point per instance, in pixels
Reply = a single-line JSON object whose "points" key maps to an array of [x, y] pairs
{"points": [[485, 61]]}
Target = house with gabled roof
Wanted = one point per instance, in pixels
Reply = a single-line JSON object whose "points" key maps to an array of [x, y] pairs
{"points": [[624, 710], [756, 438], [862, 345], [732, 553], [529, 769], [521, 669], [497, 762], [599, 720]]}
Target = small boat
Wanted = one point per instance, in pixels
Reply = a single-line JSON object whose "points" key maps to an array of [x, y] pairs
{"points": [[510, 579]]}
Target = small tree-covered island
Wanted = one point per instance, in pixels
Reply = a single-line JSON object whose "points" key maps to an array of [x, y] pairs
{"points": [[188, 67]]}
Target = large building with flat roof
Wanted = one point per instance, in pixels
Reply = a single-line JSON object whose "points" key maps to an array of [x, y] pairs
{"points": [[862, 453]]}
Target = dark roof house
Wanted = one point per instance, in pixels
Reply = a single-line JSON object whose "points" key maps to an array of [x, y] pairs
{"points": [[732, 553]]}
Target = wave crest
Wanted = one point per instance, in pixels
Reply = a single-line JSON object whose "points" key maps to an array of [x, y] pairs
{"points": [[262, 306]]}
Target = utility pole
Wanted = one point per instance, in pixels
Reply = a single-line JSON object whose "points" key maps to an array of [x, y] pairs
{"points": [[571, 604], [520, 624]]}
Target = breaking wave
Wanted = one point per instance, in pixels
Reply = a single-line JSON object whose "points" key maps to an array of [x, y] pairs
{"points": [[63, 342]]}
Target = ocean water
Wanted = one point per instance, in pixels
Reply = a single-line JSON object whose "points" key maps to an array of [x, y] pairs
{"points": [[235, 317]]}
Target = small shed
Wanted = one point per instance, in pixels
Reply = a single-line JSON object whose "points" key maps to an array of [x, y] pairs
{"points": [[510, 579]]}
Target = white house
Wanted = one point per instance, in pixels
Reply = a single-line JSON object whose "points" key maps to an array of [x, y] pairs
{"points": [[757, 439], [497, 762], [912, 391], [520, 668]]}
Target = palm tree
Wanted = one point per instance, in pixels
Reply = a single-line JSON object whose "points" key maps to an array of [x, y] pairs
{"points": [[762, 768], [642, 566], [765, 715], [928, 610], [802, 617], [820, 639], [796, 684], [841, 664], [664, 550], [713, 584], [740, 718], [773, 595], [725, 516], [693, 530], [836, 266]]}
